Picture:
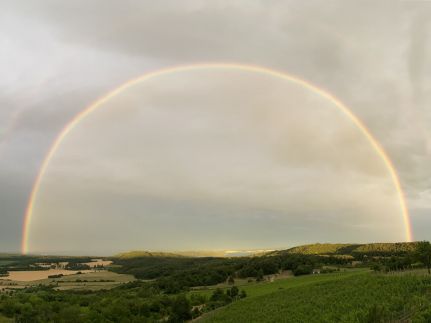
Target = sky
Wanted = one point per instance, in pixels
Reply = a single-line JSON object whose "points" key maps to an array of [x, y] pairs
{"points": [[215, 158]]}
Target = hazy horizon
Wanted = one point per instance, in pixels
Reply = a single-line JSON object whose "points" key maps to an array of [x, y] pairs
{"points": [[191, 252]]}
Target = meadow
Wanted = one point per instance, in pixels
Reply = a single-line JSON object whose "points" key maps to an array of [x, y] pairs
{"points": [[254, 289]]}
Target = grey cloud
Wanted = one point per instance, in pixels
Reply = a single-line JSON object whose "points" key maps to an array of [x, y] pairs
{"points": [[58, 56], [173, 147]]}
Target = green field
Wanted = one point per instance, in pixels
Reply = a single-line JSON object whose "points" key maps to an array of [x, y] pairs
{"points": [[353, 297]]}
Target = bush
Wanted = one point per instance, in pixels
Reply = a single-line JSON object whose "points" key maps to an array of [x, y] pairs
{"points": [[303, 270], [327, 270], [181, 309]]}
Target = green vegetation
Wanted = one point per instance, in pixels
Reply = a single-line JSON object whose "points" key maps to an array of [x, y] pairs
{"points": [[77, 266], [55, 276], [174, 275], [369, 249], [320, 249], [423, 254], [254, 289], [195, 253], [32, 263], [314, 283], [91, 281], [4, 319], [351, 298], [131, 303]]}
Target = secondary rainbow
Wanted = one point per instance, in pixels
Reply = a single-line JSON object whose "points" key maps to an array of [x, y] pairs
{"points": [[175, 69]]}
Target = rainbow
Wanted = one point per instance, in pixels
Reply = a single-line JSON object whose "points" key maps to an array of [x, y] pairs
{"points": [[183, 68]]}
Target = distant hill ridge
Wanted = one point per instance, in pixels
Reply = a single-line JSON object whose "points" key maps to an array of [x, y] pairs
{"points": [[140, 254], [309, 249], [203, 253], [349, 248]]}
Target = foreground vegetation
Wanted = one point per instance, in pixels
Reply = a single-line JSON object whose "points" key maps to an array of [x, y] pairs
{"points": [[347, 296], [360, 298], [314, 283]]}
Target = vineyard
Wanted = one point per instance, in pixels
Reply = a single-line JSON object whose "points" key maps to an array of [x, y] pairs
{"points": [[367, 297]]}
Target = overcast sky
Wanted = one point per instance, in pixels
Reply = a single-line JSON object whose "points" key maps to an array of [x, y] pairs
{"points": [[214, 159]]}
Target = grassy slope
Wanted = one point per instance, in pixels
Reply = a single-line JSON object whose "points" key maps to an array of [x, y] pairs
{"points": [[347, 298], [263, 288]]}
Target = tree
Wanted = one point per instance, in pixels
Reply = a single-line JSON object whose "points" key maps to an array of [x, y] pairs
{"points": [[259, 275], [196, 312], [69, 314], [181, 309], [234, 292], [217, 295], [230, 280], [303, 270], [423, 254], [376, 267], [220, 297]]}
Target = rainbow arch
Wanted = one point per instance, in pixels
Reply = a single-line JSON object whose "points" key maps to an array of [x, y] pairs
{"points": [[199, 66]]}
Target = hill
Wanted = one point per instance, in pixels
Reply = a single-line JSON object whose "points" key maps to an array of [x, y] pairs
{"points": [[196, 253], [351, 249], [369, 249], [142, 254]]}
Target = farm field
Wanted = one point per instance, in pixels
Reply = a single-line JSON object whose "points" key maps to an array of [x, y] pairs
{"points": [[91, 281], [37, 275], [85, 281], [366, 297]]}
